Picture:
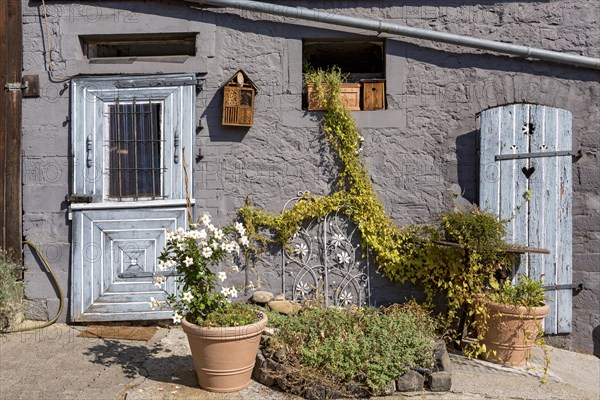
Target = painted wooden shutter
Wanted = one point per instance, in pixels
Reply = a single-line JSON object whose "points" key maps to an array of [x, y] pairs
{"points": [[525, 177]]}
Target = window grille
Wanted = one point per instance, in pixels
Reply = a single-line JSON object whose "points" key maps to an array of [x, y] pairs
{"points": [[134, 150]]}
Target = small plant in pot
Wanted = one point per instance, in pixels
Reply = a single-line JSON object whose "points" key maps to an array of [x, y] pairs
{"points": [[511, 317], [506, 319], [223, 336]]}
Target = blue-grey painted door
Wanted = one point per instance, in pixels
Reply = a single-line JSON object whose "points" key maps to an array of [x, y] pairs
{"points": [[525, 178], [130, 137]]}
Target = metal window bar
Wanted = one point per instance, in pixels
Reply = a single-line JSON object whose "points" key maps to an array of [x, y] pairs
{"points": [[134, 145]]}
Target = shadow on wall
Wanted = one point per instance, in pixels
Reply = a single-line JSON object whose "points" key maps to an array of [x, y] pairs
{"points": [[596, 340], [467, 165]]}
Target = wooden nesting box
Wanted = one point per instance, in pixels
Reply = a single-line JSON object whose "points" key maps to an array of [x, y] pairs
{"points": [[373, 95], [349, 94], [238, 100]]}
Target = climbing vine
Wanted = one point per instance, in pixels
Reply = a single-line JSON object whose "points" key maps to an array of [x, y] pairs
{"points": [[403, 254]]}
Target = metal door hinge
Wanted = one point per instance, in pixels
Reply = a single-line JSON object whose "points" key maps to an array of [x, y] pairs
{"points": [[577, 287], [500, 157], [30, 85]]}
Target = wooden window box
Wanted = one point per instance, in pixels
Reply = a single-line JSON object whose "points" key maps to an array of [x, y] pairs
{"points": [[349, 94]]}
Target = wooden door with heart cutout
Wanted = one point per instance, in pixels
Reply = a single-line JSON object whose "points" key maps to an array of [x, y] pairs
{"points": [[526, 178]]}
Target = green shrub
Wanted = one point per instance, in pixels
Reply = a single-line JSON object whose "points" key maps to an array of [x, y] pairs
{"points": [[527, 292], [359, 347], [11, 291]]}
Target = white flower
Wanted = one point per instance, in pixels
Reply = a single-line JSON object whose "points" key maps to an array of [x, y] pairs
{"points": [[219, 234], [207, 252], [301, 249], [205, 219], [188, 261], [177, 318], [159, 280], [202, 234], [239, 227], [170, 235], [180, 246], [211, 227], [337, 239], [346, 298], [170, 263], [343, 258], [233, 292], [214, 244], [180, 230], [224, 245], [230, 247], [187, 296], [303, 288], [225, 291], [162, 265], [154, 303], [244, 241], [222, 276], [234, 268]]}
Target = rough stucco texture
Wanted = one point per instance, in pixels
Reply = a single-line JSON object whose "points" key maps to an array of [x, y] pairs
{"points": [[425, 141]]}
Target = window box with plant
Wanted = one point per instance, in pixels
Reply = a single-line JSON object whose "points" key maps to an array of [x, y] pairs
{"points": [[223, 336]]}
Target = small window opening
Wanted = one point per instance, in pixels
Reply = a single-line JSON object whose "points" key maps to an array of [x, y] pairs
{"points": [[359, 59], [134, 150], [363, 63], [132, 46]]}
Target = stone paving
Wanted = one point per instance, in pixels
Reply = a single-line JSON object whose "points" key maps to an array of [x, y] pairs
{"points": [[55, 363]]}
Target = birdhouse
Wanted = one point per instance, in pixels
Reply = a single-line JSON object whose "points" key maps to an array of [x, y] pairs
{"points": [[238, 100]]}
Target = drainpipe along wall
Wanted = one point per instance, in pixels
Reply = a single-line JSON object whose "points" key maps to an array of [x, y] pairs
{"points": [[394, 29]]}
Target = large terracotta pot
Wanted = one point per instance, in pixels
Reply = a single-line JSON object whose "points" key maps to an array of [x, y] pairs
{"points": [[224, 357], [512, 332]]}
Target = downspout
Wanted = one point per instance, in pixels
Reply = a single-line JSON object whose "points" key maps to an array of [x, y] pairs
{"points": [[402, 30]]}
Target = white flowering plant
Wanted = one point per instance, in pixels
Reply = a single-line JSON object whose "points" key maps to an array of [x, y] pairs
{"points": [[191, 253]]}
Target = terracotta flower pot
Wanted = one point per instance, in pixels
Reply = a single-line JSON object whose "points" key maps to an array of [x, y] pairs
{"points": [[512, 332], [224, 357]]}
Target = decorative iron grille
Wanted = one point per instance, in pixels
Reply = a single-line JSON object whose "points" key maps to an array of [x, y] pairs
{"points": [[324, 261]]}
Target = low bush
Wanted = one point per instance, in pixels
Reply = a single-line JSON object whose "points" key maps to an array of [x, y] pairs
{"points": [[359, 348], [11, 291]]}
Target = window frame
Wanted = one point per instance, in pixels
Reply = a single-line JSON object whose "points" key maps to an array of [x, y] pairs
{"points": [[89, 98]]}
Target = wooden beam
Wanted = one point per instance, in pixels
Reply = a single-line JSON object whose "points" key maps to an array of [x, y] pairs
{"points": [[11, 50]]}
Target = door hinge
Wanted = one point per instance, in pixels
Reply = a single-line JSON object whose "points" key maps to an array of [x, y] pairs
{"points": [[14, 86], [78, 198], [30, 85], [576, 154], [577, 287]]}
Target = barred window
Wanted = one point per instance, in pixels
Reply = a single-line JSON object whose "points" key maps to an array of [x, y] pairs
{"points": [[134, 145]]}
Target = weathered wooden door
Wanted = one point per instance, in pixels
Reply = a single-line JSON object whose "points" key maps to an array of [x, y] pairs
{"points": [[525, 178], [129, 138]]}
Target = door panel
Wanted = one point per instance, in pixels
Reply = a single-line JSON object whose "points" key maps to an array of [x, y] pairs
{"points": [[125, 128], [530, 186]]}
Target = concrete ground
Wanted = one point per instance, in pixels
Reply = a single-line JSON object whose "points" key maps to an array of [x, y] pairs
{"points": [[55, 363]]}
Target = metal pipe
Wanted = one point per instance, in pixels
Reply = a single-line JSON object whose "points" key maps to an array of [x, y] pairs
{"points": [[402, 30]]}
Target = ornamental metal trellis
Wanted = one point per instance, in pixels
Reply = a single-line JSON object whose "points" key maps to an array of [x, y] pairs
{"points": [[325, 262]]}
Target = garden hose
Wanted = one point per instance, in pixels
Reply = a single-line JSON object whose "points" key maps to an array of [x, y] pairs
{"points": [[37, 251]]}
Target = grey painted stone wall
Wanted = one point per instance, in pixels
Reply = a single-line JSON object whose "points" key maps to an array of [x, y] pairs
{"points": [[425, 140]]}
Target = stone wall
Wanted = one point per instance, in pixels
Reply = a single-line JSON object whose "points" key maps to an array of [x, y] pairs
{"points": [[425, 140]]}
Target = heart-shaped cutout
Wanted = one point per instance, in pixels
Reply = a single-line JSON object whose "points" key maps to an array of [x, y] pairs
{"points": [[528, 171]]}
